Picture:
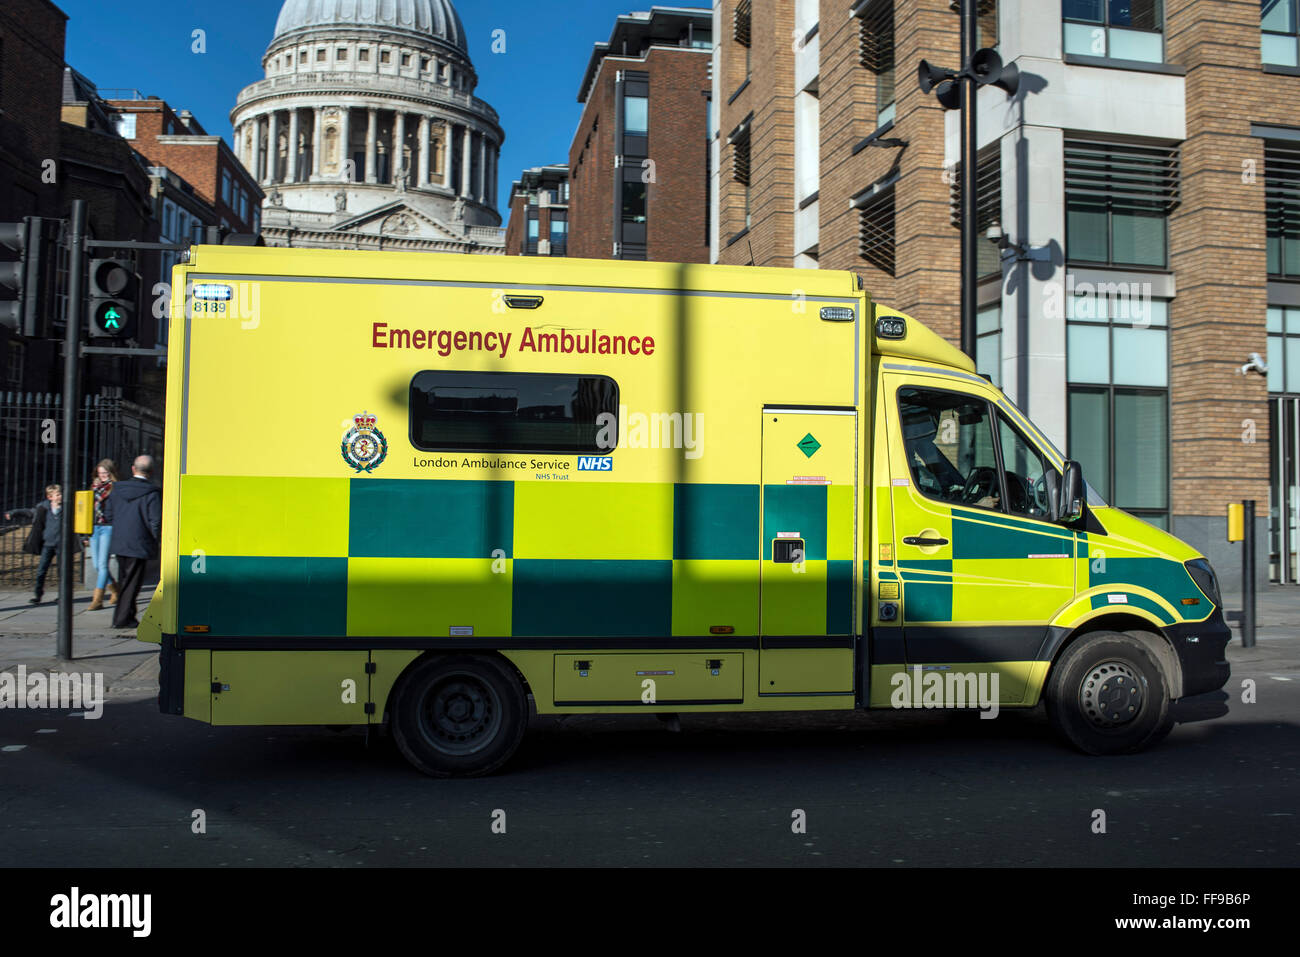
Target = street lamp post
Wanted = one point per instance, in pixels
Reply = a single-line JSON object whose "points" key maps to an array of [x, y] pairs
{"points": [[955, 90]]}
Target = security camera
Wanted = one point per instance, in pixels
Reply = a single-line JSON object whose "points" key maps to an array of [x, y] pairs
{"points": [[994, 233], [1256, 364]]}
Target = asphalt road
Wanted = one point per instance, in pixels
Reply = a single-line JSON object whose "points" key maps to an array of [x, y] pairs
{"points": [[878, 789]]}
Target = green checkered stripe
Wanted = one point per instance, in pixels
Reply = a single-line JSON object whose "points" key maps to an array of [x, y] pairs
{"points": [[538, 559]]}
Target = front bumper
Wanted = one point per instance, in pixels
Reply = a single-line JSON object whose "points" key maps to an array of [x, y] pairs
{"points": [[1200, 646]]}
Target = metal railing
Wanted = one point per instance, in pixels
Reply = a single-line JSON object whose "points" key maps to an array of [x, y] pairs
{"points": [[30, 459]]}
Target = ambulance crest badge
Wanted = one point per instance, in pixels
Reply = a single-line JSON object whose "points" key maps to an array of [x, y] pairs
{"points": [[364, 446]]}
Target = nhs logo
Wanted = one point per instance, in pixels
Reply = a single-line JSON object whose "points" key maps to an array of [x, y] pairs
{"points": [[595, 463]]}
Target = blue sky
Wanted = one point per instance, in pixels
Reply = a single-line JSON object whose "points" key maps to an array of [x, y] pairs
{"points": [[146, 45]]}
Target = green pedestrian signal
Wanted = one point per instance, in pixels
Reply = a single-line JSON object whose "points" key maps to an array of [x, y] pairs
{"points": [[114, 289]]}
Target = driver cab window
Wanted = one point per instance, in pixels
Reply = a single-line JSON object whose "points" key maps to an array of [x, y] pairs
{"points": [[949, 443], [1025, 468]]}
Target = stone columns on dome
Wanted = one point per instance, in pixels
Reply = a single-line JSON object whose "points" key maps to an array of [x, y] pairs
{"points": [[448, 144], [423, 181], [372, 127], [345, 145], [467, 162], [397, 172], [317, 142], [291, 159], [482, 167], [272, 148], [256, 168]]}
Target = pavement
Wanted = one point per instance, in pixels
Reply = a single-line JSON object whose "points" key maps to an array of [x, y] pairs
{"points": [[29, 636]]}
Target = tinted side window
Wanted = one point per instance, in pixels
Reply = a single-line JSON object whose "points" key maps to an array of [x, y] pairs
{"points": [[513, 412], [948, 438], [1025, 468]]}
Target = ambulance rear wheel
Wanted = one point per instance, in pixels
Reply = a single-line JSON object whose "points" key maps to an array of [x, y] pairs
{"points": [[460, 715], [1108, 695]]}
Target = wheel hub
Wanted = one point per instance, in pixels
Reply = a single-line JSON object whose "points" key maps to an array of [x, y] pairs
{"points": [[460, 714], [1112, 694]]}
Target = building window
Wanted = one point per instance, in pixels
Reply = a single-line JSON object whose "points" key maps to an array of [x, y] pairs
{"points": [[1277, 24], [530, 242], [559, 232], [406, 59], [875, 206], [302, 57], [740, 160], [1283, 350], [1116, 29], [988, 207], [986, 24], [342, 53], [634, 201], [877, 53], [518, 411], [125, 125], [320, 55], [226, 185], [636, 115], [988, 342], [1117, 365], [424, 64], [742, 28], [1117, 199], [1282, 208], [363, 55], [384, 56]]}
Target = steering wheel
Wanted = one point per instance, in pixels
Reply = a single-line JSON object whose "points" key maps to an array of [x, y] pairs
{"points": [[1019, 494], [982, 482]]}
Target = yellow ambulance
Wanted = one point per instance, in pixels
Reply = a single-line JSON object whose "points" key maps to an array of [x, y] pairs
{"points": [[438, 492]]}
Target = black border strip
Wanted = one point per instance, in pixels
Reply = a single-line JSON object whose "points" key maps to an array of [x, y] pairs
{"points": [[651, 708], [383, 643], [810, 641]]}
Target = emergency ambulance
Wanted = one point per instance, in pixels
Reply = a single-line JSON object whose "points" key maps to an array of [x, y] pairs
{"points": [[438, 492]]}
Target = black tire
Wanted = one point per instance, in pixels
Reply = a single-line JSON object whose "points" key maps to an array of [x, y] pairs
{"points": [[459, 715], [1107, 694]]}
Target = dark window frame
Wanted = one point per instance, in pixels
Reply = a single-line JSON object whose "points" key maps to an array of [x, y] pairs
{"points": [[992, 409], [611, 407], [1081, 172], [1110, 390]]}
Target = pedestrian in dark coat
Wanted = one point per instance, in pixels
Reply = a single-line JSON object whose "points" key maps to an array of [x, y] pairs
{"points": [[43, 539], [135, 512]]}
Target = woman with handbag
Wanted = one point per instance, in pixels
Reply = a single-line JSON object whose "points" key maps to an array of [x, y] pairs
{"points": [[102, 486]]}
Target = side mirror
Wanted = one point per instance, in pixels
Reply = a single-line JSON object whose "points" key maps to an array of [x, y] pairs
{"points": [[1072, 497]]}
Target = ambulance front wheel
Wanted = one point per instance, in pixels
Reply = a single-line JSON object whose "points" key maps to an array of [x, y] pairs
{"points": [[459, 715], [1108, 695]]}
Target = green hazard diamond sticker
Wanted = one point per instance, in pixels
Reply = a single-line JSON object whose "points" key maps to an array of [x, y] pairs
{"points": [[808, 445]]}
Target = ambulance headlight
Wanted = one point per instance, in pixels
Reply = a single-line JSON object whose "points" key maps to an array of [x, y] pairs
{"points": [[1203, 574]]}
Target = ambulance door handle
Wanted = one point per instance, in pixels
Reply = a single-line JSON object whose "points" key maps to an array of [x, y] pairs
{"points": [[924, 542]]}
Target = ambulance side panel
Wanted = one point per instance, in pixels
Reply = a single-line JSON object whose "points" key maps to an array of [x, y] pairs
{"points": [[285, 560]]}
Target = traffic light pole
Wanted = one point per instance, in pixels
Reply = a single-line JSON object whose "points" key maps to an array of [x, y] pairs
{"points": [[969, 152], [71, 406]]}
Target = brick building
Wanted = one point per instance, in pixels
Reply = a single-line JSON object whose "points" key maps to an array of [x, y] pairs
{"points": [[31, 68], [178, 142], [539, 213], [638, 166], [1139, 195]]}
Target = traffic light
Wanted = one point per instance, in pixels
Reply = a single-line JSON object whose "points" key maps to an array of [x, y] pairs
{"points": [[31, 277], [114, 290]]}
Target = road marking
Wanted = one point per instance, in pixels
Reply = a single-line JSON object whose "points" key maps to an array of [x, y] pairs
{"points": [[13, 747], [48, 731]]}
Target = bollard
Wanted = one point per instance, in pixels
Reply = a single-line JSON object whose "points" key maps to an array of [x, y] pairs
{"points": [[1248, 575]]}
